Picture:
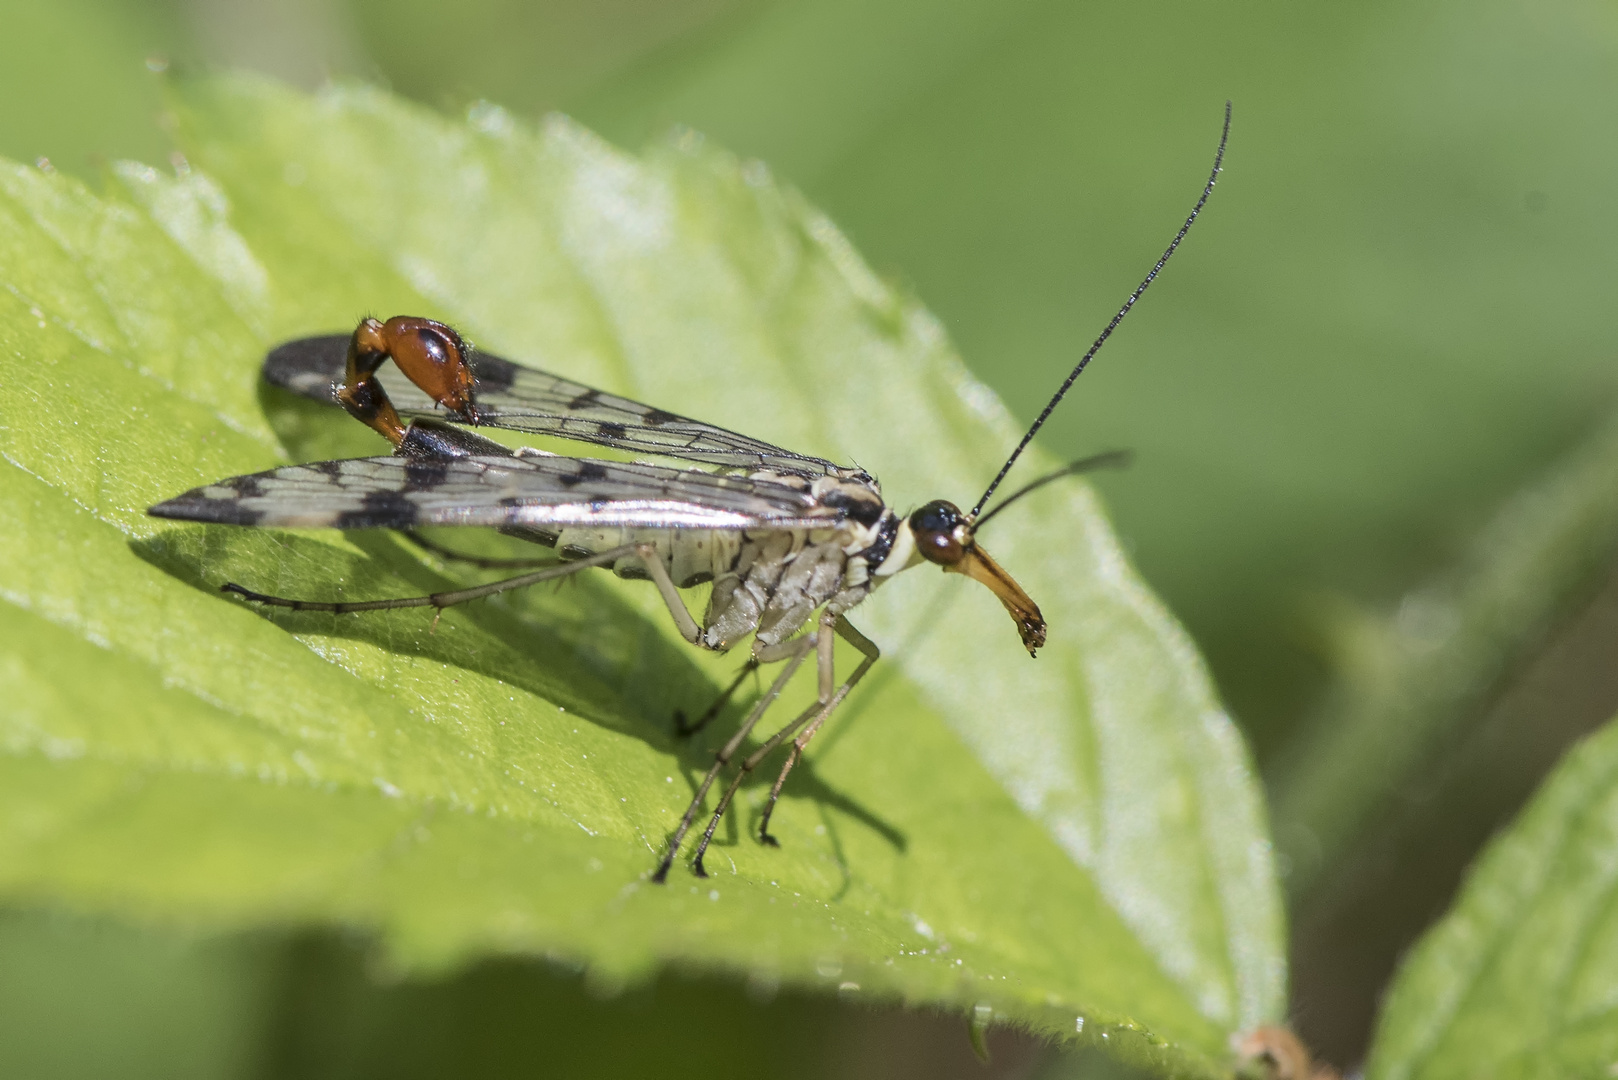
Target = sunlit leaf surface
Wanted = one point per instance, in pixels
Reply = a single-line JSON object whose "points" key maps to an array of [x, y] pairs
{"points": [[1074, 843]]}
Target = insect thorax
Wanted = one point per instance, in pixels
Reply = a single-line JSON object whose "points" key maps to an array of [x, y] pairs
{"points": [[766, 581]]}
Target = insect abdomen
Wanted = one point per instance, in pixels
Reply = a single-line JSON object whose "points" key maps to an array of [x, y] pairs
{"points": [[691, 556]]}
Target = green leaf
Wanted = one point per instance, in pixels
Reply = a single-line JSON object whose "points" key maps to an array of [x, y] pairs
{"points": [[1077, 838], [1520, 979]]}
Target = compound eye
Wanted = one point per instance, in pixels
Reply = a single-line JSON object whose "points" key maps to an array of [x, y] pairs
{"points": [[936, 527]]}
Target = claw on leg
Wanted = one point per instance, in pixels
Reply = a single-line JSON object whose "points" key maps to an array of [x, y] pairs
{"points": [[814, 717], [794, 660], [684, 729]]}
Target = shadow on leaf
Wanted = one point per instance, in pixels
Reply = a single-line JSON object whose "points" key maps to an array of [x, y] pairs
{"points": [[578, 646], [595, 657]]}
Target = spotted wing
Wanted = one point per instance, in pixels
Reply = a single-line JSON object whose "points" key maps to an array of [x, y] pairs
{"points": [[524, 399], [541, 492]]}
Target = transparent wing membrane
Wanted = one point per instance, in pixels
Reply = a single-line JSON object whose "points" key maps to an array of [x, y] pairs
{"points": [[559, 492], [524, 399]]}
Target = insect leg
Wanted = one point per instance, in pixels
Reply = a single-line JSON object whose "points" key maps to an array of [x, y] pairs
{"points": [[441, 600], [800, 649], [683, 622], [872, 654], [768, 654], [683, 729], [826, 699], [475, 560]]}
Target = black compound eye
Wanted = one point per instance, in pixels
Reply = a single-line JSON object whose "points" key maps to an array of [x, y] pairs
{"points": [[934, 527], [939, 516]]}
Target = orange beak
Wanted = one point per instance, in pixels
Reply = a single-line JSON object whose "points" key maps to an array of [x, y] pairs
{"points": [[977, 565]]}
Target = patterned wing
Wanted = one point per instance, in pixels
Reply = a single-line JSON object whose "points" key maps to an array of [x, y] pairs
{"points": [[524, 399], [541, 492]]}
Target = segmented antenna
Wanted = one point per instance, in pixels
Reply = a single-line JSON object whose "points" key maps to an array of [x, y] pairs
{"points": [[1219, 158], [1112, 459]]}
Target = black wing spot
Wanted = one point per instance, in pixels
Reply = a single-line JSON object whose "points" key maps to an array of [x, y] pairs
{"points": [[193, 506], [308, 366], [612, 431], [425, 474], [574, 551], [589, 471], [584, 400], [247, 487], [657, 417], [491, 372], [380, 510], [332, 470]]}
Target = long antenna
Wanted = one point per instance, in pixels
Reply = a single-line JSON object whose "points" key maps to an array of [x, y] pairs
{"points": [[1111, 459], [1219, 159]]}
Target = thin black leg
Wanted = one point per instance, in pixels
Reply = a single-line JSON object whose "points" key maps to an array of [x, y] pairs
{"points": [[872, 655], [439, 600], [742, 773], [722, 758], [683, 729]]}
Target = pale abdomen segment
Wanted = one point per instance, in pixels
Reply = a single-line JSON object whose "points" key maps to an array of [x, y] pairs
{"points": [[768, 582], [691, 556]]}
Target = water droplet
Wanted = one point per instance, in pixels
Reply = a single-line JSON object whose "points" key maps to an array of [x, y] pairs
{"points": [[490, 118]]}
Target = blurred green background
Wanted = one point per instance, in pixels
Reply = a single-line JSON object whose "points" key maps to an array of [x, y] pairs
{"points": [[1394, 317]]}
